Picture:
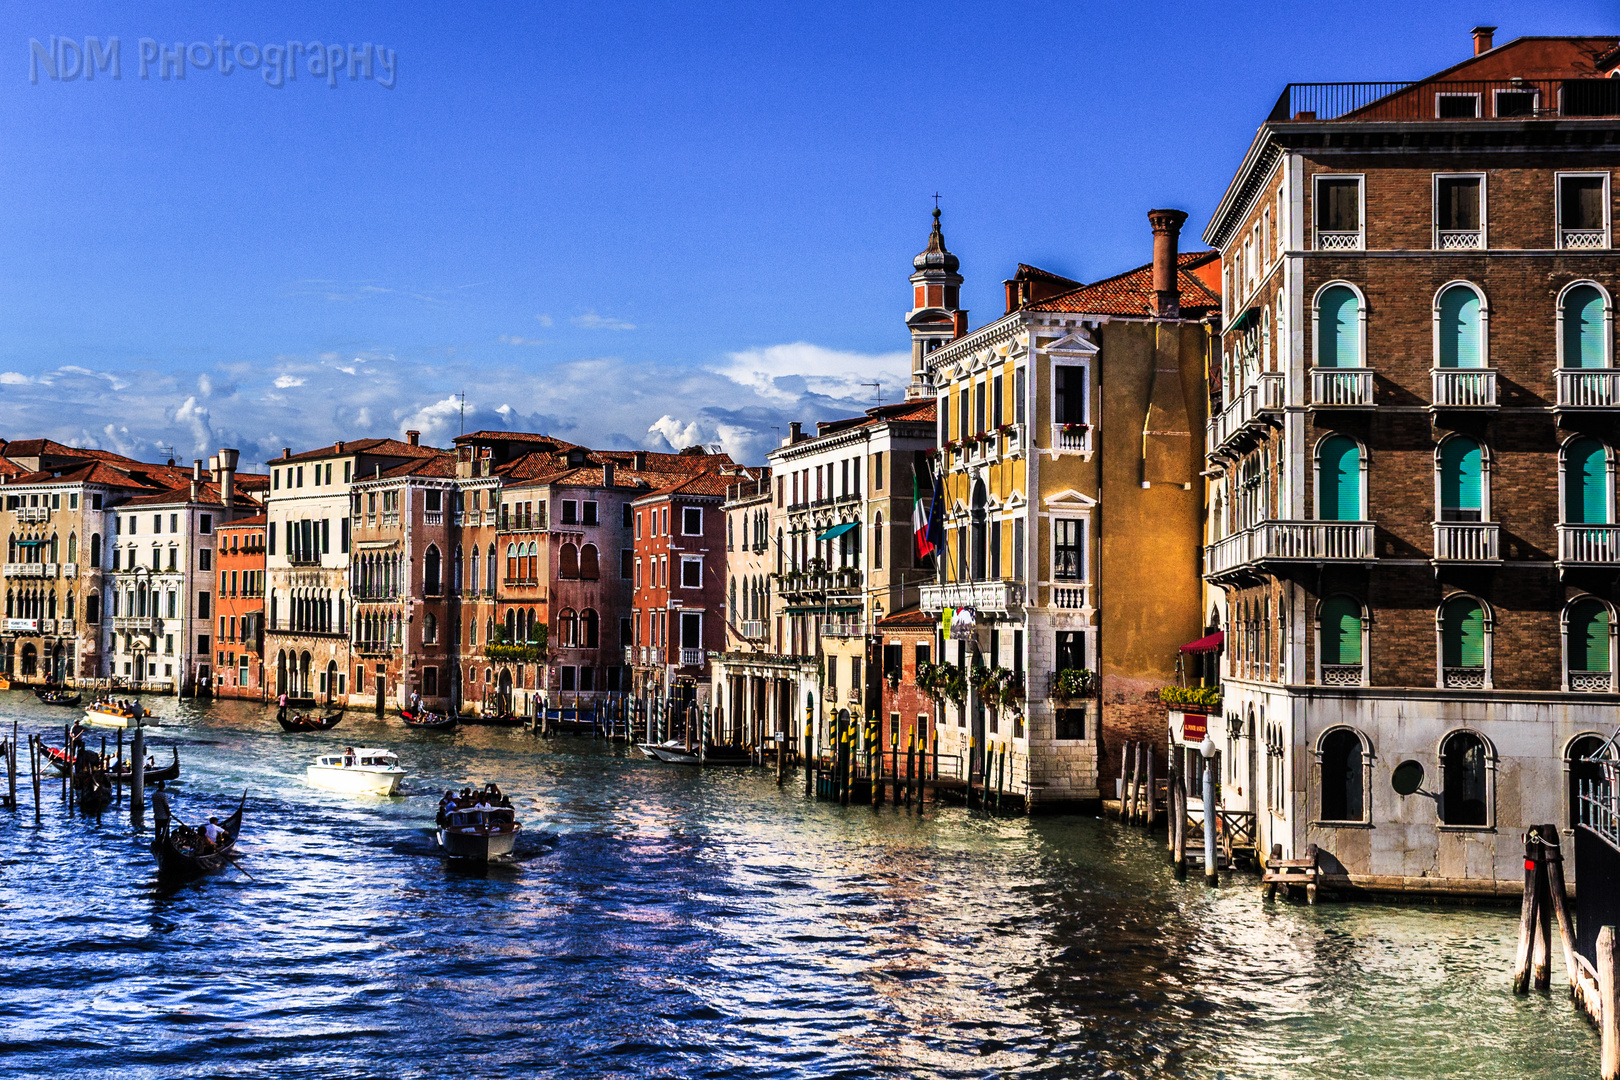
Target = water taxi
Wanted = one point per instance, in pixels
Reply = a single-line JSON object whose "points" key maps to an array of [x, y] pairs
{"points": [[365, 771], [477, 825], [106, 713]]}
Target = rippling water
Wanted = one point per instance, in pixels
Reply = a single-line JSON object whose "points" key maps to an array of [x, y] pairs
{"points": [[662, 922]]}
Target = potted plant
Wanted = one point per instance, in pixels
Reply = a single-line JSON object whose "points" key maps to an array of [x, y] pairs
{"points": [[955, 687], [1011, 692], [1076, 429], [1075, 682]]}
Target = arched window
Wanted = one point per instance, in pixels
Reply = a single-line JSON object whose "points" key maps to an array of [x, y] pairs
{"points": [[1583, 337], [489, 570], [95, 549], [1341, 638], [1462, 488], [513, 571], [1338, 479], [568, 562], [456, 573], [1338, 328], [588, 569], [589, 628], [1460, 331], [1343, 792], [778, 550], [533, 569], [1462, 642], [1586, 482], [877, 543], [731, 603], [981, 532], [430, 629], [1464, 780], [567, 628], [1586, 652], [430, 571], [472, 573], [1579, 769], [73, 548]]}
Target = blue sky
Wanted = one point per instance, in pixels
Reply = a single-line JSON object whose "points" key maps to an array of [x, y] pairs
{"points": [[627, 225]]}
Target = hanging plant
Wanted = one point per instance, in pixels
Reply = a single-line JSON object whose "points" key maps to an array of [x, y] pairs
{"points": [[1076, 682], [955, 688], [1010, 694]]}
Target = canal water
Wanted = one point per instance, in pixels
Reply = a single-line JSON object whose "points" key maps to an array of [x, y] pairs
{"points": [[666, 922]]}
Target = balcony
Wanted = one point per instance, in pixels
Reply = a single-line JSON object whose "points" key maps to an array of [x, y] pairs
{"points": [[1341, 388], [630, 654], [1290, 542], [66, 627], [304, 559], [691, 658], [1463, 388], [26, 514], [650, 656], [843, 629], [1071, 597], [1328, 240], [137, 624], [25, 569], [752, 629], [1591, 682], [1075, 437], [1249, 409], [1588, 545], [431, 518], [1588, 388], [1514, 100], [47, 626], [1015, 436], [70, 570], [1583, 239], [993, 597], [1339, 674], [1459, 240], [1467, 542]]}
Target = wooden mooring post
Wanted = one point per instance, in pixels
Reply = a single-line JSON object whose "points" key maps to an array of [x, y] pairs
{"points": [[1148, 795], [36, 751], [1127, 774], [1529, 916]]}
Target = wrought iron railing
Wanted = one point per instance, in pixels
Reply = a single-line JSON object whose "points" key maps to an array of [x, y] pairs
{"points": [[1448, 99]]}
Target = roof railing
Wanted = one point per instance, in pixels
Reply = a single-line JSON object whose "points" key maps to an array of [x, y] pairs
{"points": [[1448, 99]]}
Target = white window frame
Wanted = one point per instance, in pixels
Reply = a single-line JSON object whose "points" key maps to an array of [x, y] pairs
{"points": [[1361, 209], [1489, 615], [1056, 360], [1316, 477], [1484, 479], [1084, 521], [1366, 639], [1365, 820], [1479, 103], [1528, 88], [685, 510], [1484, 323], [1558, 207], [1608, 322], [1434, 204], [1361, 325], [691, 560], [1563, 633]]}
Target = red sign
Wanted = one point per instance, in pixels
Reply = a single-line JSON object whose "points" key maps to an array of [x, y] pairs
{"points": [[1194, 727]]}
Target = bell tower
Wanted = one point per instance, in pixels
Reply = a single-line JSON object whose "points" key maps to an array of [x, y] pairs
{"points": [[936, 315]]}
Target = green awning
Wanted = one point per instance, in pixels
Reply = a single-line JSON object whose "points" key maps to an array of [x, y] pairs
{"points": [[836, 530]]}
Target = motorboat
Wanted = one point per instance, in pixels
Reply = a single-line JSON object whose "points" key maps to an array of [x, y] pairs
{"points": [[477, 825], [358, 771], [676, 752], [106, 713]]}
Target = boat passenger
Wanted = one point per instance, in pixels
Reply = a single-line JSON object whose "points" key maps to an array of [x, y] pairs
{"points": [[212, 832]]}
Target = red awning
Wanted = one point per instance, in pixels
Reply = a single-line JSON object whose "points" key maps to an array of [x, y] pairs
{"points": [[1206, 644]]}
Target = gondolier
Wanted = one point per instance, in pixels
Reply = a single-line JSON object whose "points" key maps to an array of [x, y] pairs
{"points": [[160, 813]]}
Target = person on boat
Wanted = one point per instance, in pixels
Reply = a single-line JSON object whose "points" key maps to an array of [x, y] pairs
{"points": [[160, 812], [212, 832], [348, 757]]}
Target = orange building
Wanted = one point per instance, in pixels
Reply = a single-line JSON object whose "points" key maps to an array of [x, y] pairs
{"points": [[239, 587]]}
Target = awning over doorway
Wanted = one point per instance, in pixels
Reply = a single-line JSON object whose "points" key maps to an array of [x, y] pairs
{"points": [[1209, 644]]}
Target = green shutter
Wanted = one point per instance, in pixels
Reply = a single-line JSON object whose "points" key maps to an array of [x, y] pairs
{"points": [[1341, 631], [1585, 483], [1459, 329], [1583, 328], [1460, 487], [1340, 479], [1462, 634], [1589, 636], [1338, 329]]}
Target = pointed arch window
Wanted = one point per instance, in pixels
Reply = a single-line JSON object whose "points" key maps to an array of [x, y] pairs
{"points": [[490, 571], [1460, 332], [432, 580], [1583, 316], [1338, 328], [1462, 480], [1339, 475], [1586, 482]]}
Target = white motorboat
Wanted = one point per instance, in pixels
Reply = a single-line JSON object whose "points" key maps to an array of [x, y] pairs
{"points": [[116, 714], [478, 825], [358, 771]]}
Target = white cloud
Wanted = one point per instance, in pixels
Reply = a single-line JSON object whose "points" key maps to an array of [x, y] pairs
{"points": [[286, 382], [785, 373], [545, 320], [592, 321], [196, 419], [14, 378], [205, 385], [508, 339]]}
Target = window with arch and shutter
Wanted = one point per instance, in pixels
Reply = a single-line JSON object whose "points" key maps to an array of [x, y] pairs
{"points": [[1462, 491], [1343, 797], [1464, 780], [1341, 632], [1583, 327], [1339, 479], [589, 570], [1588, 645], [1462, 339], [1586, 483], [1338, 336], [568, 561], [1462, 641]]}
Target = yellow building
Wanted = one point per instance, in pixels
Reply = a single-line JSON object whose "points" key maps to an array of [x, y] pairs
{"points": [[1070, 450]]}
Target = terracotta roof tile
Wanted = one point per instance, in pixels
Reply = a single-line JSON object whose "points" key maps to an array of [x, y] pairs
{"points": [[1131, 293], [911, 618]]}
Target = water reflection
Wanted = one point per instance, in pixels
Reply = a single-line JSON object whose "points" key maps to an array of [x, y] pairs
{"points": [[660, 922]]}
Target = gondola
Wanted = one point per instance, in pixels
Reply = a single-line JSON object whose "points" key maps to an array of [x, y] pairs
{"points": [[61, 760], [504, 719], [181, 853], [306, 722], [90, 781], [58, 697], [166, 773], [427, 720]]}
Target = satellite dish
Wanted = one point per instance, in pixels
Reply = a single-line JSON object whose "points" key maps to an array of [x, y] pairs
{"points": [[1408, 777]]}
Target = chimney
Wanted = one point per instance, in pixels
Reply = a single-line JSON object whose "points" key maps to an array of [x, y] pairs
{"points": [[195, 484], [1166, 238], [286, 452], [607, 474], [338, 446], [638, 460], [414, 437], [1014, 301], [213, 468], [958, 324], [1482, 39], [227, 480], [795, 432], [196, 470]]}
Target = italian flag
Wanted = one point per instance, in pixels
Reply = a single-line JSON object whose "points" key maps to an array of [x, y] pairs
{"points": [[919, 522]]}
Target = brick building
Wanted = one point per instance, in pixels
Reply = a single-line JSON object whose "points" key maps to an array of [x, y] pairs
{"points": [[1413, 437], [239, 589], [905, 641]]}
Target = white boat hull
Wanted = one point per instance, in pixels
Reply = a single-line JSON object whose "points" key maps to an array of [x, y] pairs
{"points": [[113, 720], [355, 780], [477, 844]]}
